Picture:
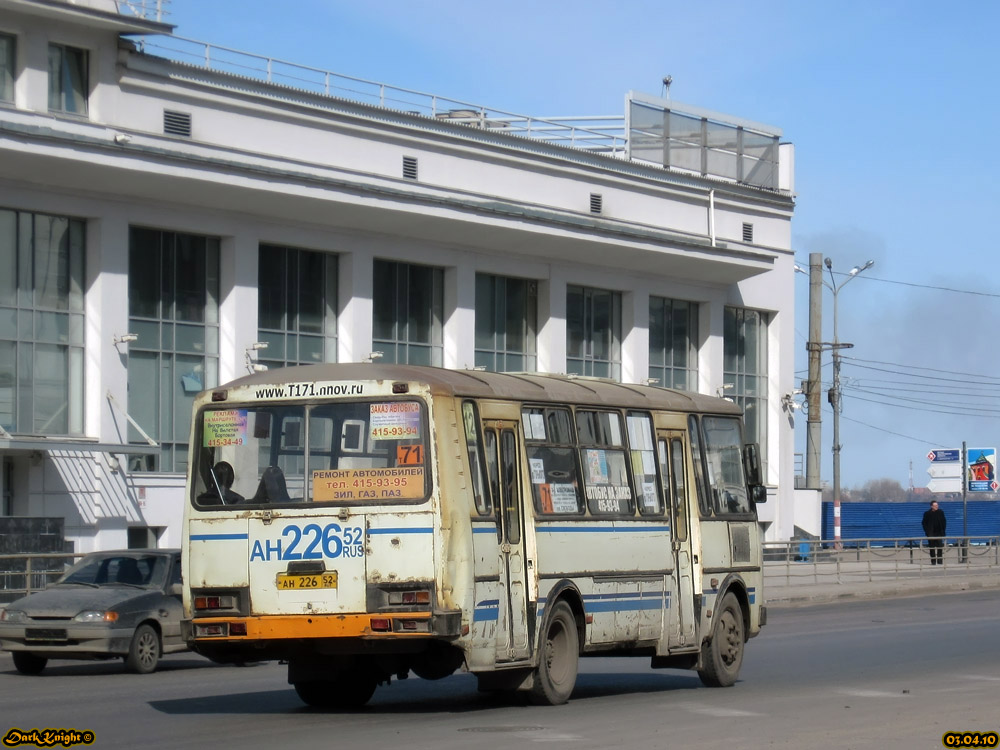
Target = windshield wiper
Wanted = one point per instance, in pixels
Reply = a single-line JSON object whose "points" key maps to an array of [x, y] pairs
{"points": [[81, 583]]}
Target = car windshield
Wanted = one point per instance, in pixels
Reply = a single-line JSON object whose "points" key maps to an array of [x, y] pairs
{"points": [[117, 570]]}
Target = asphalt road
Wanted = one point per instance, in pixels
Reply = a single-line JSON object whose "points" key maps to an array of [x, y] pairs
{"points": [[887, 674]]}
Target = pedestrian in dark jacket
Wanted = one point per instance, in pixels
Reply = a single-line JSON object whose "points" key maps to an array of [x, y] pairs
{"points": [[934, 527]]}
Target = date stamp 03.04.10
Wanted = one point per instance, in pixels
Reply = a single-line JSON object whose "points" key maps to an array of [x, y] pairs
{"points": [[970, 739]]}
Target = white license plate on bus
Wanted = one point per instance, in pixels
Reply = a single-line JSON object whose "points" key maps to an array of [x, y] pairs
{"points": [[298, 581]]}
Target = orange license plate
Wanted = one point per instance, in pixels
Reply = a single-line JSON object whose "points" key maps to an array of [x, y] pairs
{"points": [[296, 581]]}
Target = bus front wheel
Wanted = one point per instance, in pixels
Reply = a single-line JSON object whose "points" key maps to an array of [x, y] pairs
{"points": [[555, 676], [722, 655]]}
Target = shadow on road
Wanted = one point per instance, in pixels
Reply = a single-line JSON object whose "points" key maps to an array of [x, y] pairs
{"points": [[456, 694]]}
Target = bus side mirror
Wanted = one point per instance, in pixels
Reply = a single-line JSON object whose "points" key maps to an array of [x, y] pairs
{"points": [[759, 493], [751, 464]]}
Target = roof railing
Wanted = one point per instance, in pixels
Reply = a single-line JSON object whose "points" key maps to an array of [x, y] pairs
{"points": [[604, 135]]}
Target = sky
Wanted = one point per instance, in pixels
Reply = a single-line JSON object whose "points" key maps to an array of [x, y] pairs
{"points": [[892, 107]]}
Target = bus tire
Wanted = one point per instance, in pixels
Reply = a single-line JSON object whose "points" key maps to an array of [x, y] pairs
{"points": [[558, 663], [722, 654], [28, 663], [352, 691]]}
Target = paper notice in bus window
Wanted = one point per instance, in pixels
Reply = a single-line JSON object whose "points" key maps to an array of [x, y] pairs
{"points": [[393, 483], [397, 420], [537, 470], [597, 467], [564, 498], [223, 428], [649, 496]]}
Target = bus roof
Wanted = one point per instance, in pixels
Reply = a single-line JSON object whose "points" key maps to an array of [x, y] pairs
{"points": [[538, 387]]}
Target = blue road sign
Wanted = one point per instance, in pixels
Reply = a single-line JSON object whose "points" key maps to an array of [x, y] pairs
{"points": [[950, 454]]}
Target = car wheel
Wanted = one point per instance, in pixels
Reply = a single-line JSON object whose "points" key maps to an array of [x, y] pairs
{"points": [[722, 656], [555, 675], [144, 653], [28, 663]]}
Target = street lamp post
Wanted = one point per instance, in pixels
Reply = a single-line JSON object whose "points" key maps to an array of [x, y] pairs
{"points": [[835, 392]]}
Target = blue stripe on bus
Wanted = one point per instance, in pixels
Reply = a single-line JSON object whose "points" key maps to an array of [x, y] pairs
{"points": [[622, 602], [751, 594], [403, 530], [484, 529], [542, 529], [218, 537]]}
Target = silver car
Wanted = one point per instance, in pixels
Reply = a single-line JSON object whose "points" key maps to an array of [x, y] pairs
{"points": [[110, 604]]}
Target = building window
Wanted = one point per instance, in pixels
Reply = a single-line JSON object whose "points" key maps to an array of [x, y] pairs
{"points": [[673, 343], [7, 62], [745, 369], [174, 310], [297, 306], [593, 332], [408, 312], [68, 79], [41, 324], [506, 311]]}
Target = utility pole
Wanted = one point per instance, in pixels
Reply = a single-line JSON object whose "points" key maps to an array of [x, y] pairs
{"points": [[814, 420]]}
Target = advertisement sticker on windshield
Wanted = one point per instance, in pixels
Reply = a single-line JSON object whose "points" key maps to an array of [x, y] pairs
{"points": [[394, 421], [224, 428]]}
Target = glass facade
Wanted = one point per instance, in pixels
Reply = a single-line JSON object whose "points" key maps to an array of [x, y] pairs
{"points": [[7, 62], [408, 310], [593, 332], [174, 310], [68, 79], [673, 343], [41, 324], [745, 369], [297, 306], [506, 311]]}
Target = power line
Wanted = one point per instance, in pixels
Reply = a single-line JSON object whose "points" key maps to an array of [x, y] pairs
{"points": [[913, 284], [917, 367], [890, 432]]}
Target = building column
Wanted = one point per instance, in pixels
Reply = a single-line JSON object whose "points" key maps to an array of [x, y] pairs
{"points": [[552, 324], [238, 264], [460, 317], [106, 311], [355, 289], [635, 337]]}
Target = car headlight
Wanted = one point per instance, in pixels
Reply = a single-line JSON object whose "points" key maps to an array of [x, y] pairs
{"points": [[93, 615], [13, 615]]}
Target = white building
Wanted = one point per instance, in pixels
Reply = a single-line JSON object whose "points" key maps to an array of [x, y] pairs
{"points": [[165, 207]]}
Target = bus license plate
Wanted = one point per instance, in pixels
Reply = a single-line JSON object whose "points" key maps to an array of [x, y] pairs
{"points": [[289, 581]]}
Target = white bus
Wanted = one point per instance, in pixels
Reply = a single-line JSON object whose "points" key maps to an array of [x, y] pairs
{"points": [[363, 521]]}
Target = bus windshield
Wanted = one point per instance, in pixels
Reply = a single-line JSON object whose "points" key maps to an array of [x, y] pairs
{"points": [[340, 453]]}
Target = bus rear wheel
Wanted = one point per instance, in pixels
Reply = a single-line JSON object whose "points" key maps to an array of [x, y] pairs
{"points": [[722, 655], [555, 676], [350, 691]]}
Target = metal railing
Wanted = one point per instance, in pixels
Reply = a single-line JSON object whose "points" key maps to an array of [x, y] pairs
{"points": [[869, 560], [604, 135], [24, 574], [151, 10]]}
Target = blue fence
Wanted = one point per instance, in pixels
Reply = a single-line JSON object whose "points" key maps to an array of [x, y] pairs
{"points": [[902, 520]]}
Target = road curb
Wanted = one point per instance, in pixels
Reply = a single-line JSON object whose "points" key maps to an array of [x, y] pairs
{"points": [[786, 598]]}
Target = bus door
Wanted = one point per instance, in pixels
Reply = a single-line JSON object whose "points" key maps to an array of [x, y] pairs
{"points": [[504, 472], [671, 452]]}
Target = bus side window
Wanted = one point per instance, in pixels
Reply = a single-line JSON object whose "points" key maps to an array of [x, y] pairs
{"points": [[493, 474], [640, 440], [470, 418], [678, 488], [699, 466]]}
